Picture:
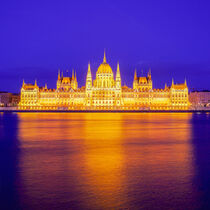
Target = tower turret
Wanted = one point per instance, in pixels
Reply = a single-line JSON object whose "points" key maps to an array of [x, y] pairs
{"points": [[185, 82], [89, 78], [72, 74], [135, 80], [135, 75], [118, 77], [75, 77], [149, 78], [172, 83], [75, 80], [149, 75], [59, 76]]}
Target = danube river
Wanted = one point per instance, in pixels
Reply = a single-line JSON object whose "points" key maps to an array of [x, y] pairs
{"points": [[104, 161]]}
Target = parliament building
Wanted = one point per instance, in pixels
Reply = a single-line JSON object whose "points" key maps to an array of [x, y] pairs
{"points": [[105, 92]]}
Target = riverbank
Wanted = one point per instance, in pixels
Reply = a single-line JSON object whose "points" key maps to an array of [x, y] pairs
{"points": [[14, 109]]}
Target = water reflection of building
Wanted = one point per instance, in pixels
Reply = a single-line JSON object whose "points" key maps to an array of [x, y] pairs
{"points": [[104, 93], [104, 161], [158, 160], [71, 153], [51, 161]]}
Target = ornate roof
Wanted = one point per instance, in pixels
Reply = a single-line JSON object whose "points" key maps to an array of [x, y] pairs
{"points": [[179, 86], [29, 86]]}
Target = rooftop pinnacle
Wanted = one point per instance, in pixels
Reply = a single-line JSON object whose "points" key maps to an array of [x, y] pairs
{"points": [[104, 60]]}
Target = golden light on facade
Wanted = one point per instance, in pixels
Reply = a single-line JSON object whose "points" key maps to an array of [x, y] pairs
{"points": [[104, 93]]}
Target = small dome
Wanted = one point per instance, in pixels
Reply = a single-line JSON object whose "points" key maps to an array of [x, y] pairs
{"points": [[66, 80], [143, 80]]}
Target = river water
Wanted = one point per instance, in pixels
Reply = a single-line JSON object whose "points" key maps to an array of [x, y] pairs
{"points": [[104, 161]]}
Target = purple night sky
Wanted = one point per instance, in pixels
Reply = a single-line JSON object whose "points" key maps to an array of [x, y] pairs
{"points": [[39, 37]]}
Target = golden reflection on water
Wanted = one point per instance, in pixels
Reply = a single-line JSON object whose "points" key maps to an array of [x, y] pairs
{"points": [[105, 157]]}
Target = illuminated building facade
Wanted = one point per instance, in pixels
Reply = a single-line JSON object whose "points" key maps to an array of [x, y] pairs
{"points": [[105, 92], [200, 99]]}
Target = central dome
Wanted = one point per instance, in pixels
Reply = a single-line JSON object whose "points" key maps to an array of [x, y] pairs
{"points": [[104, 67]]}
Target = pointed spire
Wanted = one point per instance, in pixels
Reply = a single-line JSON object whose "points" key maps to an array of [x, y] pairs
{"points": [[45, 85], [149, 76], [118, 67], [165, 85], [59, 76], [89, 78], [23, 82], [62, 75], [185, 82], [35, 84], [149, 73], [104, 60], [118, 78], [135, 75], [75, 76], [172, 82], [118, 71], [72, 74], [89, 71]]}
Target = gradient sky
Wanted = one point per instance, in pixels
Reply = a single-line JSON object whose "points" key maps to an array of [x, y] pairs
{"points": [[39, 37]]}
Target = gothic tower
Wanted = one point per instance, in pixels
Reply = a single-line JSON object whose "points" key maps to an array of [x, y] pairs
{"points": [[135, 81], [118, 78], [88, 79]]}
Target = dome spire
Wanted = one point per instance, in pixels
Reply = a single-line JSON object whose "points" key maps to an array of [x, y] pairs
{"points": [[104, 60]]}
